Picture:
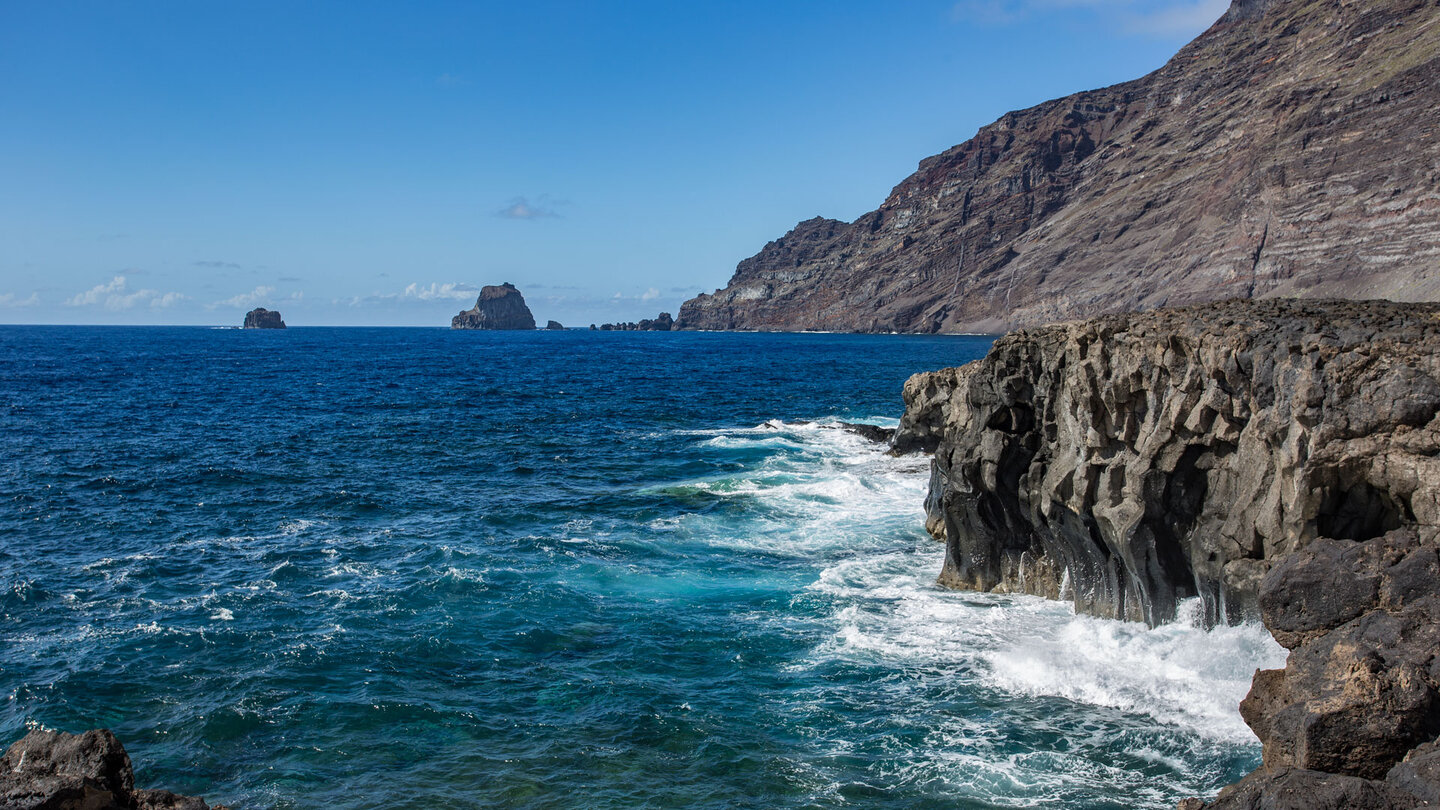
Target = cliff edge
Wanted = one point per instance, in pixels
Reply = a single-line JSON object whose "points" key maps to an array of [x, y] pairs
{"points": [[1291, 150], [1277, 459]]}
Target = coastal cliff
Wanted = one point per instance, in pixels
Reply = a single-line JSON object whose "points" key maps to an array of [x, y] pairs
{"points": [[1289, 151], [1279, 460]]}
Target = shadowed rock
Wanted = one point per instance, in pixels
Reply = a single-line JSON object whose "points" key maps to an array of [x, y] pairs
{"points": [[262, 318], [554, 326], [501, 308]]}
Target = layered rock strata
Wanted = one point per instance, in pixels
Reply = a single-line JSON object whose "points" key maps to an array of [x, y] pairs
{"points": [[501, 307], [49, 770], [262, 318], [1289, 151], [1277, 459]]}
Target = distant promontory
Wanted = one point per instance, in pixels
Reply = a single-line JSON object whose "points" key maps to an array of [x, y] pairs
{"points": [[262, 318], [501, 307]]}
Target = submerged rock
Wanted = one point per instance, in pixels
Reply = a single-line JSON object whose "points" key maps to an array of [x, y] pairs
{"points": [[262, 318], [48, 770], [501, 307]]}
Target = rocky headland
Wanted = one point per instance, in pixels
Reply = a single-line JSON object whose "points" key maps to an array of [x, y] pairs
{"points": [[262, 318], [1291, 150], [48, 770], [501, 307], [1278, 459]]}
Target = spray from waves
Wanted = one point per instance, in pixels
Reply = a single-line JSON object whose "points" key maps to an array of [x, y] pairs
{"points": [[1024, 702]]}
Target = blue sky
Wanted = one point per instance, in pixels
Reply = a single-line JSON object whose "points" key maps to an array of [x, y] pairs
{"points": [[366, 163]]}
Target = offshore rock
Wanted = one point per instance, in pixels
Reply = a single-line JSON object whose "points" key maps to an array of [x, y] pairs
{"points": [[501, 307], [1289, 151], [663, 323], [554, 326], [49, 770], [1131, 461], [262, 318]]}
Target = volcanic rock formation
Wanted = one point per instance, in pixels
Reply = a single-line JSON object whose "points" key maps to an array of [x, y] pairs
{"points": [[1278, 459], [500, 307], [1291, 150], [49, 770], [262, 318], [554, 326]]}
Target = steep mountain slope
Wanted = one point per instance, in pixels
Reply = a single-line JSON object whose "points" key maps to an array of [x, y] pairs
{"points": [[1292, 150]]}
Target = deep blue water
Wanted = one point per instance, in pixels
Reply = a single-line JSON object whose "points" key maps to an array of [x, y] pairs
{"points": [[421, 568]]}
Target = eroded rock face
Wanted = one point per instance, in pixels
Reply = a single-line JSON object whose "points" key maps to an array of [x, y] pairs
{"points": [[262, 318], [1279, 459], [1289, 151], [501, 307], [49, 770], [1130, 461]]}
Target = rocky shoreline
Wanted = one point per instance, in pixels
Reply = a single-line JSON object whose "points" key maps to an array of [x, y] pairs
{"points": [[1276, 459], [49, 770]]}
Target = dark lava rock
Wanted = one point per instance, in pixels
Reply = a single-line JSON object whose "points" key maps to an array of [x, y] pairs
{"points": [[1289, 151], [263, 318], [49, 770], [1278, 459], [663, 323], [554, 326], [875, 433], [501, 307], [1142, 459]]}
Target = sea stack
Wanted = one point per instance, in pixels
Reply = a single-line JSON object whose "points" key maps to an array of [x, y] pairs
{"points": [[554, 326], [262, 318], [501, 307]]}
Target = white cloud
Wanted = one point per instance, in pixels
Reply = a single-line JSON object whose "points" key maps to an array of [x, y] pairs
{"points": [[449, 291], [13, 300], [1157, 18], [650, 294], [522, 208], [115, 295], [259, 295]]}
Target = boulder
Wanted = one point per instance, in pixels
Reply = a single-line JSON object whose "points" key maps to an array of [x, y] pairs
{"points": [[48, 770]]}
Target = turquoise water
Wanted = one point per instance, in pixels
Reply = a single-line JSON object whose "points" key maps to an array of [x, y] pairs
{"points": [[370, 568]]}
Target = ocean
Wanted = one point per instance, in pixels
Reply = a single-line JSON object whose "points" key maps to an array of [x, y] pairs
{"points": [[381, 568]]}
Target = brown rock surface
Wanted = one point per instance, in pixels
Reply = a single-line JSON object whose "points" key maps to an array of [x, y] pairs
{"points": [[49, 770], [1291, 150], [501, 307]]}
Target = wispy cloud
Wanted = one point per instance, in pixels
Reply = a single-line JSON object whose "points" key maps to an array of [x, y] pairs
{"points": [[522, 208], [435, 292], [116, 295], [13, 301], [259, 295], [1155, 18], [414, 292], [218, 265], [451, 80], [650, 294]]}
